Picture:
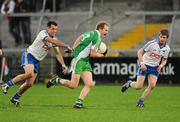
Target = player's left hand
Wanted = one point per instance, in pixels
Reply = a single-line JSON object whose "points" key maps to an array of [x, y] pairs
{"points": [[159, 68], [69, 49], [64, 69], [143, 67]]}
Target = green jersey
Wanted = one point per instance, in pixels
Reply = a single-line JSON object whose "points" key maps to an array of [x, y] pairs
{"points": [[90, 40], [80, 62]]}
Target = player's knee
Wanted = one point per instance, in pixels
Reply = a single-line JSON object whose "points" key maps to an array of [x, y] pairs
{"points": [[73, 85], [29, 85], [90, 84], [29, 75], [138, 87], [152, 86]]}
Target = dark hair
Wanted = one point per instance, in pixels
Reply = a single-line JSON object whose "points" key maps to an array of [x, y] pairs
{"points": [[165, 32], [100, 24], [51, 23]]}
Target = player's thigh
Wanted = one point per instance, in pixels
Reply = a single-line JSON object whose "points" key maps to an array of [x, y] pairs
{"points": [[140, 81], [87, 78], [29, 69], [75, 78], [152, 80]]}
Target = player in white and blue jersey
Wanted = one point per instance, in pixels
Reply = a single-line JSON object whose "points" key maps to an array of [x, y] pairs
{"points": [[152, 58], [31, 57]]}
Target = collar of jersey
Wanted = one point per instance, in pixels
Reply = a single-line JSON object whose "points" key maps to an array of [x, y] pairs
{"points": [[98, 33], [159, 44], [48, 34]]}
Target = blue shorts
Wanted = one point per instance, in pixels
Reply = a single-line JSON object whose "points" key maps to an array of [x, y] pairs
{"points": [[150, 70], [27, 58]]}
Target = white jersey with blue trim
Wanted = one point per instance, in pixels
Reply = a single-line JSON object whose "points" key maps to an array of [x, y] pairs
{"points": [[153, 53], [40, 47]]}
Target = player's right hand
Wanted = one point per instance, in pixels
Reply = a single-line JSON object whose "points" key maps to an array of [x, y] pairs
{"points": [[143, 67], [64, 69], [69, 49]]}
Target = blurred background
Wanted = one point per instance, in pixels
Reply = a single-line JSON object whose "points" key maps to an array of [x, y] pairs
{"points": [[133, 23]]}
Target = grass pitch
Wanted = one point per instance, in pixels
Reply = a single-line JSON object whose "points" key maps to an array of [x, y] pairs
{"points": [[105, 103]]}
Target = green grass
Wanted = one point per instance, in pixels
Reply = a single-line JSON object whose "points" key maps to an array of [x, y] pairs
{"points": [[105, 104]]}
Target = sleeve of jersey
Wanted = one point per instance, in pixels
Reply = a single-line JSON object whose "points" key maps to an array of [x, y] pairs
{"points": [[166, 53], [147, 46], [42, 35]]}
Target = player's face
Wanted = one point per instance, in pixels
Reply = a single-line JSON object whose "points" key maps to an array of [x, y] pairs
{"points": [[52, 30], [162, 39], [104, 31]]}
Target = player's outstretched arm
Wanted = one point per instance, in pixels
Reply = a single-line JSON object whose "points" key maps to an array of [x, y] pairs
{"points": [[59, 43], [60, 59], [162, 64]]}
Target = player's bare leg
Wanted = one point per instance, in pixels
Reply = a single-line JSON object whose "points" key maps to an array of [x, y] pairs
{"points": [[18, 78], [138, 84], [29, 70], [152, 80], [151, 84], [23, 88], [87, 78], [73, 83]]}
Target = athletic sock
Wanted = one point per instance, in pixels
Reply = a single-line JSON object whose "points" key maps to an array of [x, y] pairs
{"points": [[140, 101], [129, 83], [16, 96], [58, 79], [79, 101], [10, 83]]}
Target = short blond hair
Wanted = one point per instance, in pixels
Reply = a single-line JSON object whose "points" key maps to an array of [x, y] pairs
{"points": [[101, 24]]}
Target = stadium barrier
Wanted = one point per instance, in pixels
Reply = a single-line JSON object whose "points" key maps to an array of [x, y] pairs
{"points": [[105, 70], [118, 70]]}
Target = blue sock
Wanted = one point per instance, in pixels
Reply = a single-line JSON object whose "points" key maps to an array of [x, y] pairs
{"points": [[10, 83], [16, 96], [140, 101]]}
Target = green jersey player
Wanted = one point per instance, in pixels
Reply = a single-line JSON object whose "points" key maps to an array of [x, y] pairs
{"points": [[85, 46]]}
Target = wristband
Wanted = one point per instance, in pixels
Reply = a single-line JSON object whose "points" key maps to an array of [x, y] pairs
{"points": [[63, 65], [141, 63], [67, 46]]}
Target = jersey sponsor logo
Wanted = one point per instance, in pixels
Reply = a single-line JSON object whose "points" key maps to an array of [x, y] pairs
{"points": [[154, 55], [115, 69], [46, 46]]}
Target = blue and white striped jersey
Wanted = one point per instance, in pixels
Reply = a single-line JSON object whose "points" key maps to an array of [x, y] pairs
{"points": [[40, 47], [153, 53]]}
